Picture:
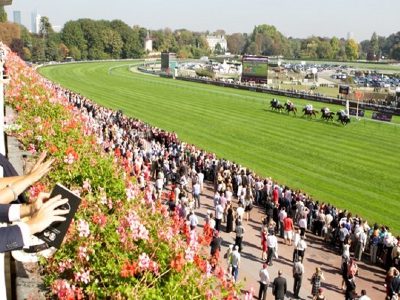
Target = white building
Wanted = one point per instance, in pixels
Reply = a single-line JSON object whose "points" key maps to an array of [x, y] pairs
{"points": [[213, 40], [35, 22], [148, 43]]}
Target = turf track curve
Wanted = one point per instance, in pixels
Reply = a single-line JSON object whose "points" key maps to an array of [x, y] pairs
{"points": [[355, 167]]}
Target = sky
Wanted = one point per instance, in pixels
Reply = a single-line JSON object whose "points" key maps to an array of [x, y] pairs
{"points": [[294, 18]]}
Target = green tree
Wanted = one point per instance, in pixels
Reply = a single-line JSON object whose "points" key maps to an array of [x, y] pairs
{"points": [[335, 46], [395, 52], [218, 49], [324, 49], [351, 48], [45, 27], [75, 53], [112, 42], [374, 44], [132, 46], [38, 50], [72, 36], [3, 14]]}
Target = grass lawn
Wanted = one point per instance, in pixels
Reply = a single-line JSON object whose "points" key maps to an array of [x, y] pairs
{"points": [[355, 167]]}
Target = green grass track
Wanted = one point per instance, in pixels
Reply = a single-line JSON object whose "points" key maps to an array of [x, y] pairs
{"points": [[355, 167]]}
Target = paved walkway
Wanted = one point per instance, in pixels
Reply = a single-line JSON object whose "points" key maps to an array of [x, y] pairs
{"points": [[370, 278]]}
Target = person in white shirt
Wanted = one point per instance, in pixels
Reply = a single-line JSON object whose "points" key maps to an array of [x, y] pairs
{"points": [[196, 194], [299, 250], [264, 282], [272, 243], [193, 220], [364, 295]]}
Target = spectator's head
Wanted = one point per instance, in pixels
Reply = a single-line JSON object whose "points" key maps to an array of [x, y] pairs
{"points": [[280, 273], [265, 265], [237, 248], [363, 292]]}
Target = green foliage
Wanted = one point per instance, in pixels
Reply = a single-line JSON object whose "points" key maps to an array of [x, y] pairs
{"points": [[205, 73], [353, 167], [351, 49], [3, 14]]}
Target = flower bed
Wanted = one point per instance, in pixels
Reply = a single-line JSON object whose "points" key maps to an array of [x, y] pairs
{"points": [[122, 244]]}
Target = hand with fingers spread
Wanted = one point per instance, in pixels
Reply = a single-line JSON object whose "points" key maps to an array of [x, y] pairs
{"points": [[11, 187], [47, 214]]}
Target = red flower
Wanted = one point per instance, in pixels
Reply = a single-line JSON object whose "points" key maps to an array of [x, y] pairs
{"points": [[129, 269], [178, 262]]}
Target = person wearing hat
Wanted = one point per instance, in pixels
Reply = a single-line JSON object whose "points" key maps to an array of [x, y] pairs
{"points": [[264, 282]]}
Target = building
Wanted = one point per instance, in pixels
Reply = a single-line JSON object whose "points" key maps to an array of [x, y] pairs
{"points": [[148, 43], [17, 17], [213, 41], [35, 22]]}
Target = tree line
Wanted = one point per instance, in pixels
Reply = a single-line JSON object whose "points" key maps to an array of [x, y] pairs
{"points": [[100, 39]]}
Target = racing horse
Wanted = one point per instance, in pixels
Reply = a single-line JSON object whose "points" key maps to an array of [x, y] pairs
{"points": [[309, 112], [326, 114], [275, 105], [343, 117], [290, 107]]}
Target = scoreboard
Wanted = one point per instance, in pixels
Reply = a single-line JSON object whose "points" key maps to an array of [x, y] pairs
{"points": [[255, 68]]}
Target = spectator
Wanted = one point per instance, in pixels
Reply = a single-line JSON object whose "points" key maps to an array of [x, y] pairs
{"points": [[298, 271], [215, 244], [264, 282], [288, 230], [272, 243], [320, 295], [279, 287], [395, 286], [299, 250], [235, 262], [229, 217], [350, 288], [193, 220], [239, 236], [364, 295], [316, 279]]}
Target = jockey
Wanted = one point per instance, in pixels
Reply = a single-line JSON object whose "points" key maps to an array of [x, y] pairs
{"points": [[309, 107], [289, 103], [342, 113], [326, 110]]}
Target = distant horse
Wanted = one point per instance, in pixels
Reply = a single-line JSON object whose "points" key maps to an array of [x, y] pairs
{"points": [[309, 113], [343, 117], [290, 107], [326, 114], [275, 105]]}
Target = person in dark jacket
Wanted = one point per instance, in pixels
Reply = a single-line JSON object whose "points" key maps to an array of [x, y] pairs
{"points": [[279, 287]]}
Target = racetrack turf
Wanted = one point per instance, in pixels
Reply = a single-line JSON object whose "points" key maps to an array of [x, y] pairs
{"points": [[355, 167]]}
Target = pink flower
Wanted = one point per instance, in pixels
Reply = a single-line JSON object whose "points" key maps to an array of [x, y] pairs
{"points": [[69, 159], [144, 261], [37, 120], [82, 253], [82, 276], [64, 265], [32, 148], [83, 228], [86, 185]]}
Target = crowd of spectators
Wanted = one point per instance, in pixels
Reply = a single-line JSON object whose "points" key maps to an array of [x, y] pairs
{"points": [[174, 172]]}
